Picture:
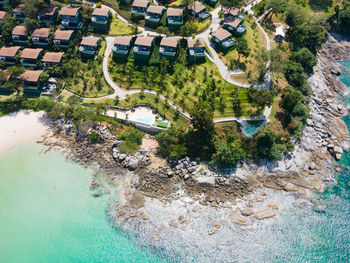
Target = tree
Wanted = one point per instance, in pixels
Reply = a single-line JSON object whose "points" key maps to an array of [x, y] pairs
{"points": [[228, 154], [294, 73], [230, 4], [290, 100], [305, 57], [242, 47], [277, 6], [30, 8], [296, 15], [44, 77]]}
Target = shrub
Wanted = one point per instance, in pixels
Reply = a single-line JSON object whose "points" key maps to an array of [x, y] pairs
{"points": [[94, 136]]}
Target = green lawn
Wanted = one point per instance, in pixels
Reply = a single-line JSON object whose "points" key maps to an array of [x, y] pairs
{"points": [[119, 28], [182, 84]]}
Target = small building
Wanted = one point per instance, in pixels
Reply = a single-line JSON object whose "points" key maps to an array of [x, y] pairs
{"points": [[168, 48], [31, 56], [143, 48], [154, 14], [18, 12], [89, 45], [19, 35], [100, 19], [139, 7], [63, 38], [197, 9], [174, 18], [31, 81], [70, 17], [121, 46], [235, 27], [280, 34], [40, 37], [212, 3], [8, 54], [2, 15], [230, 14], [222, 38], [48, 15], [196, 49], [52, 59]]}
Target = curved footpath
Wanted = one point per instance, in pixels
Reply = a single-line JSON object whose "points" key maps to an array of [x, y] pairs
{"points": [[223, 69]]}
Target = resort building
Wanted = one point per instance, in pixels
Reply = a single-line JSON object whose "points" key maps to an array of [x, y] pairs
{"points": [[2, 15], [121, 46], [235, 27], [174, 18], [154, 14], [52, 59], [40, 37], [30, 57], [48, 15], [143, 48], [197, 9], [8, 54], [20, 36], [196, 48], [89, 45], [222, 38], [168, 48], [18, 12], [31, 80], [63, 38], [139, 7], [230, 14], [280, 34], [100, 19], [71, 18]]}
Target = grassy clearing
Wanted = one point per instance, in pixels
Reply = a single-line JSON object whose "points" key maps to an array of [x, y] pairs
{"points": [[181, 84], [119, 28], [90, 82]]}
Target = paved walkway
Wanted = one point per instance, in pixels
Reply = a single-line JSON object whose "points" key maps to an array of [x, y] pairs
{"points": [[223, 69]]}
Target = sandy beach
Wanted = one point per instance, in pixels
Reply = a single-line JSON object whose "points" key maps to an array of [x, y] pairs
{"points": [[21, 127]]}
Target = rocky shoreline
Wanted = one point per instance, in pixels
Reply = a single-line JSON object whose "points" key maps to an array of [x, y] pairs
{"points": [[240, 191]]}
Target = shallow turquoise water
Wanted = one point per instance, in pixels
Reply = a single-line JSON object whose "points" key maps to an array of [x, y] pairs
{"points": [[47, 213]]}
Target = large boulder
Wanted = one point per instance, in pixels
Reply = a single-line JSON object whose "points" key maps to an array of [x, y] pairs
{"points": [[132, 164], [265, 213], [205, 181]]}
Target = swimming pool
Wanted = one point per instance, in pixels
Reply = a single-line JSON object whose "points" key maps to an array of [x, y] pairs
{"points": [[145, 120], [251, 129]]}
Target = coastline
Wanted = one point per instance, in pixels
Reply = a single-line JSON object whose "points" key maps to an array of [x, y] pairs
{"points": [[165, 201], [21, 127]]}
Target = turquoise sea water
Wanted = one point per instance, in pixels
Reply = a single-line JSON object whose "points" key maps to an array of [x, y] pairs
{"points": [[47, 213]]}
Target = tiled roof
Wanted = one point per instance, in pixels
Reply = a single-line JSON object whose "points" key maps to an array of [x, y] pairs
{"points": [[18, 9], [221, 33], [31, 75], [140, 3], [169, 41], [41, 32], [69, 11], [235, 23], [31, 53], [144, 41], [197, 6], [9, 51], [19, 30], [90, 41], [63, 34], [155, 9], [2, 14], [193, 42], [53, 57], [232, 11], [100, 12], [174, 12], [122, 40]]}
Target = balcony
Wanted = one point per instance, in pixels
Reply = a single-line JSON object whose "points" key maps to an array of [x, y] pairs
{"points": [[72, 24], [87, 50], [199, 52], [167, 51], [144, 51], [227, 43], [138, 11], [99, 19], [28, 62]]}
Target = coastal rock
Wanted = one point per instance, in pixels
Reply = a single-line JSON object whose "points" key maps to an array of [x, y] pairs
{"points": [[266, 213], [173, 223], [205, 181], [237, 219], [116, 143], [122, 157], [212, 231], [247, 211], [272, 205], [132, 164]]}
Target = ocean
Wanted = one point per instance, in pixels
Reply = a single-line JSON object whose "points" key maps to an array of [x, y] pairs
{"points": [[48, 214]]}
